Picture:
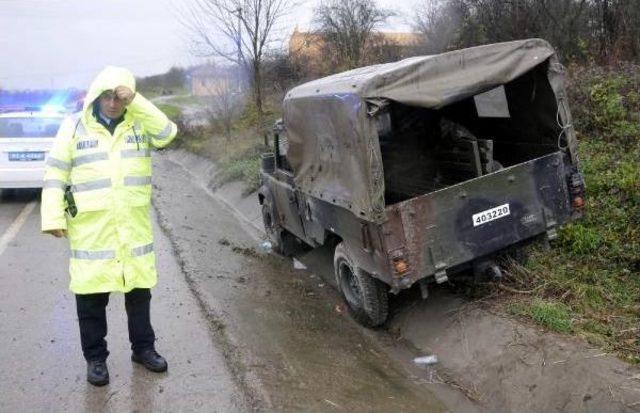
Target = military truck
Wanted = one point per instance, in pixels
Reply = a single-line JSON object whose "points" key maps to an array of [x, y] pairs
{"points": [[419, 169]]}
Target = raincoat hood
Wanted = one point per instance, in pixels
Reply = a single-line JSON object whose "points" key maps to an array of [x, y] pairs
{"points": [[108, 79]]}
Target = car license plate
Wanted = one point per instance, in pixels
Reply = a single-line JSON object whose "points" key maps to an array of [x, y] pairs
{"points": [[26, 156], [490, 215]]}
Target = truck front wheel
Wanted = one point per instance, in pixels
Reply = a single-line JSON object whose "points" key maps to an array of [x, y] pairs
{"points": [[365, 296]]}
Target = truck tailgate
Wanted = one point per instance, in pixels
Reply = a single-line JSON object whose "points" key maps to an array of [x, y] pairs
{"points": [[475, 218]]}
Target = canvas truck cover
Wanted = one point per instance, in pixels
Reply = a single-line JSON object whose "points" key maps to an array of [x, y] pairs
{"points": [[333, 143]]}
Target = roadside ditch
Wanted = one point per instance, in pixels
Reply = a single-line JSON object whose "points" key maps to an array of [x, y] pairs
{"points": [[497, 361]]}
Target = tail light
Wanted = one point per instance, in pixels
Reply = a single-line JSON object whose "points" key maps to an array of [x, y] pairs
{"points": [[577, 190], [578, 202], [400, 266]]}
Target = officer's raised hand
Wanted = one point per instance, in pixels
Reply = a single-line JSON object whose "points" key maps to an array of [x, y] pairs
{"points": [[125, 94]]}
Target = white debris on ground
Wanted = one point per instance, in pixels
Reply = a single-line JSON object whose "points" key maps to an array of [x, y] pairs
{"points": [[297, 265], [426, 360], [265, 246]]}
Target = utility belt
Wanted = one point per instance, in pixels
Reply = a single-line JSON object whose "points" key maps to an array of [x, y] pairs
{"points": [[71, 207]]}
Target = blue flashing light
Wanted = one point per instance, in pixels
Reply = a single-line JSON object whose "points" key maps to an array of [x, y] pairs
{"points": [[56, 102], [52, 108]]}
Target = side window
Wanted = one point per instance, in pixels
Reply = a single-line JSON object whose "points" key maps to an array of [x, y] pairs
{"points": [[492, 104]]}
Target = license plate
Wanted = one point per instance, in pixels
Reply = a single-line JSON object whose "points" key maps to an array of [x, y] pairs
{"points": [[490, 215], [26, 156]]}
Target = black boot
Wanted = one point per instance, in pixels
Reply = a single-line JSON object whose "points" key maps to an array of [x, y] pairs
{"points": [[151, 360], [97, 373]]}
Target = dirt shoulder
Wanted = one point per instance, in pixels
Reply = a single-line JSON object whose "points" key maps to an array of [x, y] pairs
{"points": [[513, 366], [286, 346], [497, 361]]}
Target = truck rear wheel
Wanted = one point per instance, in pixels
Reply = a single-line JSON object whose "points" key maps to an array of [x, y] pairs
{"points": [[365, 296]]}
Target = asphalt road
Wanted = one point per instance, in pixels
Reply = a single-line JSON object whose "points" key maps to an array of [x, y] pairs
{"points": [[242, 330], [42, 365]]}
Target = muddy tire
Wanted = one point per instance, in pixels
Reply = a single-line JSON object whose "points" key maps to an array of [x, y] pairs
{"points": [[365, 296]]}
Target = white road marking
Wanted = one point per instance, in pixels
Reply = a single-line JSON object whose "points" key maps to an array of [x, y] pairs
{"points": [[11, 233]]}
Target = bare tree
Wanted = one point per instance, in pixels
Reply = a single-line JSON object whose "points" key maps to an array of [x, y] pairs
{"points": [[450, 24], [441, 23], [616, 25], [346, 25], [239, 31]]}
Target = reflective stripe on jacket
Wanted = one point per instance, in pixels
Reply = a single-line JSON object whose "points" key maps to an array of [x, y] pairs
{"points": [[111, 238]]}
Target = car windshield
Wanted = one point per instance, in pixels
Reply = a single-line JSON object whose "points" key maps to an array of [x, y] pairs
{"points": [[20, 127]]}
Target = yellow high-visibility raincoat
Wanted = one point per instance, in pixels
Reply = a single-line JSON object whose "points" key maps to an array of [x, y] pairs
{"points": [[111, 237]]}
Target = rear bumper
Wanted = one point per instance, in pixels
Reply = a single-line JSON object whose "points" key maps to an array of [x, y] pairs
{"points": [[439, 232], [21, 178]]}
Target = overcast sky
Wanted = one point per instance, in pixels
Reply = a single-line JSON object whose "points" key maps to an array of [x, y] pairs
{"points": [[64, 43]]}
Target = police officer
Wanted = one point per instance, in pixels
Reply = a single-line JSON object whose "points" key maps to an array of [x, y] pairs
{"points": [[101, 159]]}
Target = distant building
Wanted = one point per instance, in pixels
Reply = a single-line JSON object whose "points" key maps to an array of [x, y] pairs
{"points": [[310, 49], [214, 80], [306, 45]]}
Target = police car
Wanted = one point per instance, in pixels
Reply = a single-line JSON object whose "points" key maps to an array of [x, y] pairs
{"points": [[25, 140]]}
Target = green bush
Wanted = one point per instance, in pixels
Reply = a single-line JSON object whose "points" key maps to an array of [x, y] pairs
{"points": [[173, 112], [580, 239], [246, 170], [606, 100]]}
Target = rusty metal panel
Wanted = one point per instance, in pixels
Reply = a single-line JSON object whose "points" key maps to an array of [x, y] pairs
{"points": [[438, 228]]}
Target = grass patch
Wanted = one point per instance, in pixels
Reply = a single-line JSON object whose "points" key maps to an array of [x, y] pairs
{"points": [[156, 92], [238, 158], [553, 315], [186, 100], [593, 269], [242, 165], [173, 112], [589, 282]]}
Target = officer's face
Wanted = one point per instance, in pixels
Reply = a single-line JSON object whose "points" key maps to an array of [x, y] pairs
{"points": [[110, 105]]}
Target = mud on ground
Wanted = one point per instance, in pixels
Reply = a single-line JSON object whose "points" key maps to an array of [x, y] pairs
{"points": [[488, 361], [282, 337]]}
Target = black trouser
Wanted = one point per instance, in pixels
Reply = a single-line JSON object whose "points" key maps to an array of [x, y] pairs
{"points": [[92, 317]]}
